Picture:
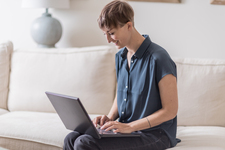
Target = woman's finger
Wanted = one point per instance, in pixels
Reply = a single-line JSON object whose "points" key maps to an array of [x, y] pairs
{"points": [[96, 120], [103, 120], [116, 130], [110, 128], [110, 124]]}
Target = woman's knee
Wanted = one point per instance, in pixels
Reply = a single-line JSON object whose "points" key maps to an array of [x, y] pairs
{"points": [[85, 142], [70, 139], [71, 136]]}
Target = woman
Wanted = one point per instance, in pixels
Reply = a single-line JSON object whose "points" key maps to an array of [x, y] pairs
{"points": [[146, 101]]}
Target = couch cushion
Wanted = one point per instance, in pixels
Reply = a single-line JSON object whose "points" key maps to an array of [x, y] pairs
{"points": [[6, 49], [200, 138], [35, 127], [32, 130], [87, 73], [201, 92]]}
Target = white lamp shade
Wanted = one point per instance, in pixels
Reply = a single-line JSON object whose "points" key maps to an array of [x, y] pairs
{"points": [[45, 3]]}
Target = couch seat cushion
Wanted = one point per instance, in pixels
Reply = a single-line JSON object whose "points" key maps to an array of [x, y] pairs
{"points": [[36, 127], [32, 129], [200, 138]]}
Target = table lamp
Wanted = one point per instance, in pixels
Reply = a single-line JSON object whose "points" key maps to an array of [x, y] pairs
{"points": [[46, 31]]}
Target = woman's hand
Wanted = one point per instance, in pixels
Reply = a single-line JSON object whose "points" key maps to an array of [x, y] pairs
{"points": [[117, 127], [101, 120]]}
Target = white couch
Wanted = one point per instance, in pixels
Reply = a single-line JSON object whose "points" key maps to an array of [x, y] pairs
{"points": [[29, 122]]}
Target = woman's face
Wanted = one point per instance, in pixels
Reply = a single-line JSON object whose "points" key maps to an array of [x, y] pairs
{"points": [[119, 36]]}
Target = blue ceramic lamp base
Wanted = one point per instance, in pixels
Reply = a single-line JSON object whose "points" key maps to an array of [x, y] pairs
{"points": [[46, 31]]}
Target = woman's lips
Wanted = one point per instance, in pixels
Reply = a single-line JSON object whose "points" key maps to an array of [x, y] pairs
{"points": [[116, 43]]}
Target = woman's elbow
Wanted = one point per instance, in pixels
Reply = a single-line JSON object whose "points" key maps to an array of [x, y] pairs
{"points": [[173, 112]]}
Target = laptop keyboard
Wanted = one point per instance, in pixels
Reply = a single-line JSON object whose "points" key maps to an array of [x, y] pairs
{"points": [[100, 131]]}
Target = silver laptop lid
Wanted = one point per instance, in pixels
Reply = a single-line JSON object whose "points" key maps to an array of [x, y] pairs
{"points": [[73, 114]]}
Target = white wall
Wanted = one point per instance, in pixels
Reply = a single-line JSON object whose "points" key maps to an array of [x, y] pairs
{"points": [[193, 28]]}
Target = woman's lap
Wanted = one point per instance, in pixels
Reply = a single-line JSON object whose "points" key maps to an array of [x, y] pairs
{"points": [[154, 140]]}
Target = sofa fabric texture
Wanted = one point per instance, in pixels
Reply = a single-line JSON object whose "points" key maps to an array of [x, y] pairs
{"points": [[36, 127], [200, 138], [3, 111], [87, 73], [6, 49], [33, 130], [201, 92]]}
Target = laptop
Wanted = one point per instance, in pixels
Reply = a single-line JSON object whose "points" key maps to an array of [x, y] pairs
{"points": [[74, 117]]}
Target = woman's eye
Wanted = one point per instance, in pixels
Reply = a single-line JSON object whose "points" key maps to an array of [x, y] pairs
{"points": [[111, 33]]}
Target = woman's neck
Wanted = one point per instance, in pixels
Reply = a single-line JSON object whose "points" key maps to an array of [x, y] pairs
{"points": [[135, 42]]}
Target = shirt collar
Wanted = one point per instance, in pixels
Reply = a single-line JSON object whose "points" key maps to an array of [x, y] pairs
{"points": [[124, 53], [141, 50]]}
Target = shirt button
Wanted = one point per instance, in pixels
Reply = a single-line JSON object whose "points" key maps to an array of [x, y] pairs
{"points": [[122, 112], [132, 61], [126, 86], [125, 99]]}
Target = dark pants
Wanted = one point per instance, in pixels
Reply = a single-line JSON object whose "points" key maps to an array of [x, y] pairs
{"points": [[153, 140]]}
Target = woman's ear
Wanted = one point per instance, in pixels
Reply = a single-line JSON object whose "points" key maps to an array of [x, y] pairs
{"points": [[129, 25]]}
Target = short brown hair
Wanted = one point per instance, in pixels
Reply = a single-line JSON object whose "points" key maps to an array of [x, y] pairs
{"points": [[116, 13]]}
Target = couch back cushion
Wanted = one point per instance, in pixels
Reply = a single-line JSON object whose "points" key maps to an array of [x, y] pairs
{"points": [[201, 92], [87, 73], [6, 49]]}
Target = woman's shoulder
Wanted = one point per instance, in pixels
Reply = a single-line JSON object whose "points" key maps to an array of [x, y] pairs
{"points": [[158, 53]]}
